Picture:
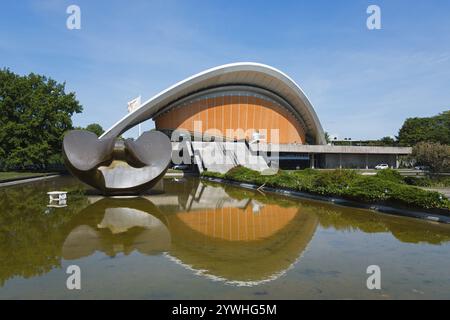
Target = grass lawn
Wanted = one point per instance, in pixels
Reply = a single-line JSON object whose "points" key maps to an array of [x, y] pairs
{"points": [[16, 175]]}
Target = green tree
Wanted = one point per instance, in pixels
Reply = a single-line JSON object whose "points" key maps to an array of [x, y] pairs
{"points": [[95, 128], [387, 141], [434, 155], [433, 129], [327, 137], [35, 111]]}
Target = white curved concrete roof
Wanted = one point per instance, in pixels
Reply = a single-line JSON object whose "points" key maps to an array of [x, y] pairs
{"points": [[242, 73]]}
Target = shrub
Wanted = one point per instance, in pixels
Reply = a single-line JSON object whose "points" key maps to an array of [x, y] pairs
{"points": [[333, 182], [369, 189], [305, 180], [212, 174], [419, 182], [283, 179], [243, 174], [390, 175], [419, 198], [432, 181]]}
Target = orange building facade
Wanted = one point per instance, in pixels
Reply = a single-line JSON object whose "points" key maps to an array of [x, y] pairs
{"points": [[234, 115]]}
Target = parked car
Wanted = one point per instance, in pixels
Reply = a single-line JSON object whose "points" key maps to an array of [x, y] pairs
{"points": [[423, 168], [382, 166]]}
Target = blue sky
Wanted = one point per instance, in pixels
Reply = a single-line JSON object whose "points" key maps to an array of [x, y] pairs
{"points": [[362, 83]]}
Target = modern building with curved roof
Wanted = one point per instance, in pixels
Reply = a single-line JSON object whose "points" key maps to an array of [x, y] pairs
{"points": [[245, 102], [243, 97]]}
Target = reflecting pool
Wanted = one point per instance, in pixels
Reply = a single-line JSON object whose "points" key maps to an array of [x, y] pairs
{"points": [[193, 239]]}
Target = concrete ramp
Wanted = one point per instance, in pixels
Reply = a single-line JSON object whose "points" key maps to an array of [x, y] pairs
{"points": [[223, 156]]}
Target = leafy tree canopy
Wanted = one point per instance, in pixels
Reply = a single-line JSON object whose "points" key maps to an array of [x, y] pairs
{"points": [[93, 127], [434, 155], [35, 111], [327, 137], [433, 129], [383, 142], [387, 141]]}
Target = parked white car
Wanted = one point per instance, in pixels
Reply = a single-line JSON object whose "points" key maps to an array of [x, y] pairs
{"points": [[382, 166]]}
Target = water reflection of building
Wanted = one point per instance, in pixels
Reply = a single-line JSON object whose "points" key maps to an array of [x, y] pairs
{"points": [[237, 224], [240, 257], [210, 210], [234, 237], [201, 227]]}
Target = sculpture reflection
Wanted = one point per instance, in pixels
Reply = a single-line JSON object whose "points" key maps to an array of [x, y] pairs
{"points": [[118, 225]]}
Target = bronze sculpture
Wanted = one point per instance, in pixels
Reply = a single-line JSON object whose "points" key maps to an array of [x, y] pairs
{"points": [[115, 166]]}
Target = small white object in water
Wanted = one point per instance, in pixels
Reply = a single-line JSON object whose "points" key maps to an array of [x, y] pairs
{"points": [[57, 195], [58, 199]]}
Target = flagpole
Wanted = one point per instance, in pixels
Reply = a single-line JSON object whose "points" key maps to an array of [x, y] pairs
{"points": [[139, 104], [132, 106]]}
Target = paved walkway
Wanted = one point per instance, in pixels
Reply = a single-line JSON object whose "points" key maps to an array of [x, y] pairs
{"points": [[15, 182], [180, 174]]}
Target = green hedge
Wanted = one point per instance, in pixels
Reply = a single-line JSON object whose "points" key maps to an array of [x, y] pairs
{"points": [[390, 175], [428, 181], [385, 186], [212, 174]]}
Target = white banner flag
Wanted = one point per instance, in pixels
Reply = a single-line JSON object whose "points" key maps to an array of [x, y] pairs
{"points": [[134, 104]]}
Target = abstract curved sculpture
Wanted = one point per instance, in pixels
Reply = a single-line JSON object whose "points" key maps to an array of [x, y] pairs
{"points": [[114, 166]]}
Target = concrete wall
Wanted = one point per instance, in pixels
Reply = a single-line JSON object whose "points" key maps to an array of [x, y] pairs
{"points": [[326, 160], [358, 161], [328, 149]]}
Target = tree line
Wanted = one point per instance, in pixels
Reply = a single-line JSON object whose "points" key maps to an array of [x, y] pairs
{"points": [[429, 137], [35, 113]]}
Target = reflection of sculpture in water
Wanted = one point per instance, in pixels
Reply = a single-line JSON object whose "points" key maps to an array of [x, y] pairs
{"points": [[118, 225], [114, 166]]}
